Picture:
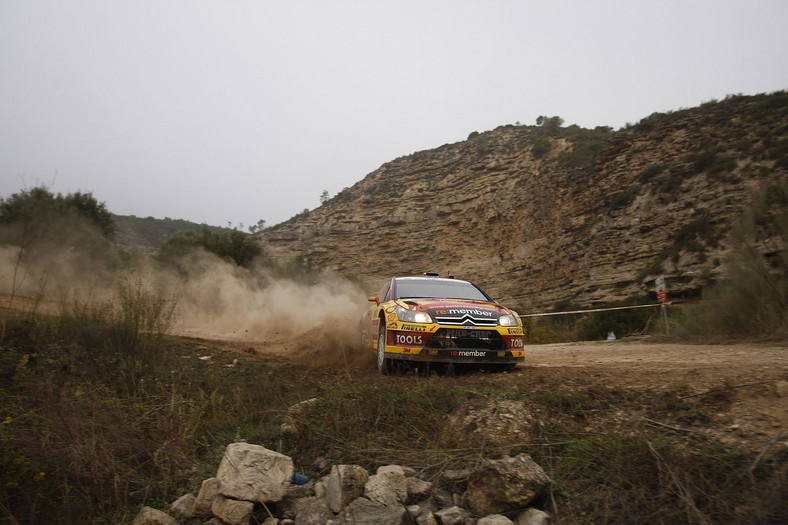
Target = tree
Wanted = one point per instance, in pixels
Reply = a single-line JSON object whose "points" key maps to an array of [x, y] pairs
{"points": [[324, 197], [257, 228], [41, 205], [233, 245], [46, 227], [550, 125]]}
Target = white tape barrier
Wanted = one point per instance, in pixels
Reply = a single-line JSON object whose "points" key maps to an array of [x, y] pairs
{"points": [[597, 310]]}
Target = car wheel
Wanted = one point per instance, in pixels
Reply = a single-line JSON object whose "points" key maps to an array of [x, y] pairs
{"points": [[384, 363]]}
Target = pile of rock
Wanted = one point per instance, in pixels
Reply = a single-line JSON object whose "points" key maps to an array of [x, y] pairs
{"points": [[256, 485]]}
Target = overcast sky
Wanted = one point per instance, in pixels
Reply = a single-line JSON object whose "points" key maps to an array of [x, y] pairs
{"points": [[235, 111]]}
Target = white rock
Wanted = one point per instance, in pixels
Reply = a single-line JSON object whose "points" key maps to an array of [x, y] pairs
{"points": [[254, 473], [151, 516], [232, 511], [532, 517], [345, 484], [388, 487]]}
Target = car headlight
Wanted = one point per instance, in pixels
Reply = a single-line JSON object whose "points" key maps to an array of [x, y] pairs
{"points": [[413, 316], [508, 320]]}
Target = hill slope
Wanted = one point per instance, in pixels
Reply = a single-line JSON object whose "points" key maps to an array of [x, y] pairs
{"points": [[549, 216], [147, 234]]}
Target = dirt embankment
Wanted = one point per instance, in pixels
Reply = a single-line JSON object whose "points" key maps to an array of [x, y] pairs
{"points": [[751, 377]]}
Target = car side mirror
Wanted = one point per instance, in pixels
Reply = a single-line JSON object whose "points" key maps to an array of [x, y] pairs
{"points": [[375, 298]]}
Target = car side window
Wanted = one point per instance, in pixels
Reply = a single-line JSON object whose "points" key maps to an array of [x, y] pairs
{"points": [[384, 295]]}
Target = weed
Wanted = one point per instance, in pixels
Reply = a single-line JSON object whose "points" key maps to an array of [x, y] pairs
{"points": [[753, 297], [651, 172], [541, 146]]}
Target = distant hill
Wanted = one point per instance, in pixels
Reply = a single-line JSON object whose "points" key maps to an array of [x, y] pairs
{"points": [[147, 234], [550, 216]]}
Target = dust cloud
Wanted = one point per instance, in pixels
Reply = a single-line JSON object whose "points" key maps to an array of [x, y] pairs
{"points": [[315, 322]]}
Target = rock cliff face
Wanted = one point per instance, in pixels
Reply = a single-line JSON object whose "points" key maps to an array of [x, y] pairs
{"points": [[552, 216]]}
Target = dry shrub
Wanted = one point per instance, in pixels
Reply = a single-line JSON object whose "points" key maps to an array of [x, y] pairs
{"points": [[752, 300]]}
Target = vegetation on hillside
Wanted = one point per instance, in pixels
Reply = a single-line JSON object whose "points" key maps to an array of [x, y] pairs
{"points": [[39, 212], [231, 245], [148, 233], [752, 300]]}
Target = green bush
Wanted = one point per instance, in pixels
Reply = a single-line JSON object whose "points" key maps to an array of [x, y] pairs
{"points": [[232, 245], [541, 146], [651, 172], [586, 145], [622, 323], [42, 209], [621, 199], [695, 236]]}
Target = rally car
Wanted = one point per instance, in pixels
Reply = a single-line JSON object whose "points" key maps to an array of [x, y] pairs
{"points": [[431, 320]]}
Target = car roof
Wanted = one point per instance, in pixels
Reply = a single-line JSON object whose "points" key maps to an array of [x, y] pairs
{"points": [[430, 278]]}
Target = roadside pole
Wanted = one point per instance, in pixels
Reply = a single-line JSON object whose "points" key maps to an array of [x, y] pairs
{"points": [[662, 295]]}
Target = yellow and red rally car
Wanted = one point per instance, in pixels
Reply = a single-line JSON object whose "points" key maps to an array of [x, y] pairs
{"points": [[440, 320]]}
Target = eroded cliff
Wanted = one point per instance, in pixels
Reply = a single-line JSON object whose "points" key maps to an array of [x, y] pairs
{"points": [[548, 216]]}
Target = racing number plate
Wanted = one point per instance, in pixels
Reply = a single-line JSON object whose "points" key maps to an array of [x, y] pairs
{"points": [[462, 334]]}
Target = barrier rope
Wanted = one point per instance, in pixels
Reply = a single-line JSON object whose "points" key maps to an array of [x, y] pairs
{"points": [[598, 309]]}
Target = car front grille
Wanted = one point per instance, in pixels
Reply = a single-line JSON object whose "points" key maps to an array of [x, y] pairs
{"points": [[473, 339], [465, 317]]}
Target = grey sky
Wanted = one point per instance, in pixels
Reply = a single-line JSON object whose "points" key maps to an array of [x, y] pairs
{"points": [[244, 110]]}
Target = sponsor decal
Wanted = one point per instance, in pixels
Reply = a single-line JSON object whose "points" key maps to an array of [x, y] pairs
{"points": [[413, 328], [464, 311], [391, 317], [433, 351], [391, 309], [516, 342], [409, 339], [501, 354], [468, 353], [516, 331]]}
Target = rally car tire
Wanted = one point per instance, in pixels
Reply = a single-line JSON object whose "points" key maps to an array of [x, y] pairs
{"points": [[384, 363]]}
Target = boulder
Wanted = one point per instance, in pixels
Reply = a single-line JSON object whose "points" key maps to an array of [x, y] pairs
{"points": [[202, 504], [345, 484], [532, 517], [232, 511], [426, 518], [254, 473], [452, 516], [505, 485], [362, 511], [388, 486], [183, 507], [151, 516], [312, 511], [418, 489], [321, 487], [502, 422]]}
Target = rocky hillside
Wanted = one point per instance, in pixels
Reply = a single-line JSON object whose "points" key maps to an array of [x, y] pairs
{"points": [[549, 216]]}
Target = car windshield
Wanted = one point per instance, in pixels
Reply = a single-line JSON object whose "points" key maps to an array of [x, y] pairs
{"points": [[437, 289]]}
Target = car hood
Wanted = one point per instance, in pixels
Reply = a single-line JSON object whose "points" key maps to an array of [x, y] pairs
{"points": [[458, 311]]}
